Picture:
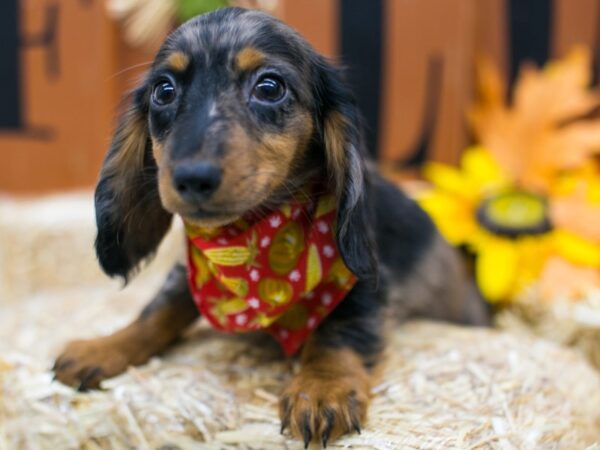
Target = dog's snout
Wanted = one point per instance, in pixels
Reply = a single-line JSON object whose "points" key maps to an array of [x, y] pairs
{"points": [[197, 181]]}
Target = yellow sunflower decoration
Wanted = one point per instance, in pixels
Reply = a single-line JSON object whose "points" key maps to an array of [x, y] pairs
{"points": [[526, 201]]}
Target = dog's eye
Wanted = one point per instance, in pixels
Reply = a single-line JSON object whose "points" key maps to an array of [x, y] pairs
{"points": [[163, 93], [269, 88]]}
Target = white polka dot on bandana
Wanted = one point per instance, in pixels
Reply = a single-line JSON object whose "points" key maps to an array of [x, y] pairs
{"points": [[323, 227], [326, 298], [241, 319], [295, 275], [275, 221], [328, 251]]}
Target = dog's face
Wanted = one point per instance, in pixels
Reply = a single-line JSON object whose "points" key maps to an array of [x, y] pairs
{"points": [[231, 112], [237, 113]]}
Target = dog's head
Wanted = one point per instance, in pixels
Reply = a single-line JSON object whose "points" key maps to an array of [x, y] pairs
{"points": [[237, 113]]}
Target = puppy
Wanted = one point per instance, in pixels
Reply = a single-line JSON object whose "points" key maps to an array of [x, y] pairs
{"points": [[254, 140]]}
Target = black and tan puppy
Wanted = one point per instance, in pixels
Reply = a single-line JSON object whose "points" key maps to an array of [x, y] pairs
{"points": [[237, 115]]}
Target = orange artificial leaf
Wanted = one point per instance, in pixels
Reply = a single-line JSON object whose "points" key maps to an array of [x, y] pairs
{"points": [[559, 91], [542, 133]]}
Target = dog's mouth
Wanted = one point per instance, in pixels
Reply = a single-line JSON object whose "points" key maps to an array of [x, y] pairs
{"points": [[207, 218], [213, 214], [224, 207]]}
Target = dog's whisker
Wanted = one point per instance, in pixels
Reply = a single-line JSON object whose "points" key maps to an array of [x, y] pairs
{"points": [[128, 69]]}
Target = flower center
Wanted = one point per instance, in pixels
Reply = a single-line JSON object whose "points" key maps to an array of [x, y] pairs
{"points": [[514, 214]]}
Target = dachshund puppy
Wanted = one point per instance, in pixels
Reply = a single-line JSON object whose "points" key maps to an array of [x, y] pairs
{"points": [[254, 140]]}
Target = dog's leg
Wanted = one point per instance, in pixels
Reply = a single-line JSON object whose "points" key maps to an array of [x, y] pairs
{"points": [[84, 363], [330, 394]]}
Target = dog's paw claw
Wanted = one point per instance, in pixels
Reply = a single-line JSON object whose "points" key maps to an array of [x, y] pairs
{"points": [[84, 364], [306, 427], [322, 410], [90, 378]]}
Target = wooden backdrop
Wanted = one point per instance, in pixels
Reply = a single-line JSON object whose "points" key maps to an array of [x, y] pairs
{"points": [[64, 66]]}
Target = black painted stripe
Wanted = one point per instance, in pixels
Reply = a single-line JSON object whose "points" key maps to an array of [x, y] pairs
{"points": [[10, 97], [435, 76], [530, 24], [361, 37]]}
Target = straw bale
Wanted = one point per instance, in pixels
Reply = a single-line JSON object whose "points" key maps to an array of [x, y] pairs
{"points": [[47, 243], [442, 386], [567, 322]]}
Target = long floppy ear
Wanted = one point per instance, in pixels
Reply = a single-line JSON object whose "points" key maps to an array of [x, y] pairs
{"points": [[344, 149], [130, 218]]}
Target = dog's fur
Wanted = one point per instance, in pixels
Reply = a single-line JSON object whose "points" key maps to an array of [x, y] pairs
{"points": [[265, 152]]}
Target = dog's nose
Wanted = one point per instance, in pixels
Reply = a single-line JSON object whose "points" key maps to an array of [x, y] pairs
{"points": [[197, 181]]}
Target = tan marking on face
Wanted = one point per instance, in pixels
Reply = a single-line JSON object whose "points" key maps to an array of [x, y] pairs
{"points": [[278, 151], [304, 127], [173, 203], [243, 176], [168, 196], [335, 144], [166, 192], [178, 61], [252, 170], [249, 59], [237, 163], [157, 151], [278, 154]]}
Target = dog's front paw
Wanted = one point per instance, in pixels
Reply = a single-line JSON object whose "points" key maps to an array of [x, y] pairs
{"points": [[318, 406], [85, 363]]}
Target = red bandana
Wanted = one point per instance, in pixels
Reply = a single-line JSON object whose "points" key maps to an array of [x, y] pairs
{"points": [[283, 273]]}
